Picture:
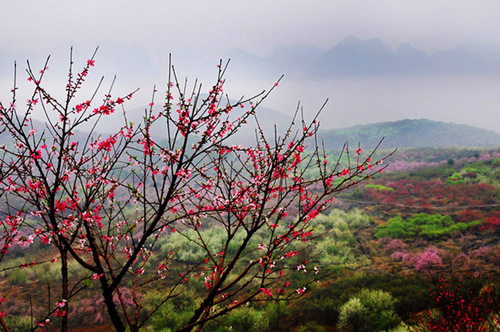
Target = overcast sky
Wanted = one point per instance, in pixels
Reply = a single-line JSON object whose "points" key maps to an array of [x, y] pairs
{"points": [[213, 27], [200, 30]]}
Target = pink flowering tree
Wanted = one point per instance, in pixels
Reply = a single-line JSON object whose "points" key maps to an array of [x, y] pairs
{"points": [[54, 180], [111, 202], [463, 294]]}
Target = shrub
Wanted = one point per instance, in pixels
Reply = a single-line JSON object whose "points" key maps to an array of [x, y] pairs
{"points": [[18, 277], [378, 187], [425, 225], [370, 310], [18, 324], [311, 327], [247, 319]]}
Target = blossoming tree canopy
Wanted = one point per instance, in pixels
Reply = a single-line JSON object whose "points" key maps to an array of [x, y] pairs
{"points": [[128, 207]]}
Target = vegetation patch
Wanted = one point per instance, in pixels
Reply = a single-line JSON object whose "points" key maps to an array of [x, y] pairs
{"points": [[428, 226]]}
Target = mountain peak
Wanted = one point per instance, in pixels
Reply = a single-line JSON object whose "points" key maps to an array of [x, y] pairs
{"points": [[355, 44]]}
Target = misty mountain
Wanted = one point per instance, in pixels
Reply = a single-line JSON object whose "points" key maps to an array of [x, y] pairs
{"points": [[411, 134], [467, 58], [411, 60], [351, 57], [292, 60], [354, 57]]}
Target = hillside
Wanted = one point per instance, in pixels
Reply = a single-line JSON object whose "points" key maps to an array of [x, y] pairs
{"points": [[376, 236], [412, 134], [400, 134]]}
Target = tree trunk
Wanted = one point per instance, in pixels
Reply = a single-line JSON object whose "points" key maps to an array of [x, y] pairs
{"points": [[65, 291], [110, 305]]}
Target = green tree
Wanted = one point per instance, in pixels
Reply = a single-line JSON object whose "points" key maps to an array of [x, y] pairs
{"points": [[368, 311]]}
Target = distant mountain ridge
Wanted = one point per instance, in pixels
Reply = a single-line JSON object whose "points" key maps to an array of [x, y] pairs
{"points": [[411, 134], [372, 57], [402, 134], [351, 57]]}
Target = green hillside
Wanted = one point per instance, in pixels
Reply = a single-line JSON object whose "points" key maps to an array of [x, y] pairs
{"points": [[412, 134]]}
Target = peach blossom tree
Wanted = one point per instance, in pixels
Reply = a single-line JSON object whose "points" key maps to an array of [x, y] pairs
{"points": [[109, 202]]}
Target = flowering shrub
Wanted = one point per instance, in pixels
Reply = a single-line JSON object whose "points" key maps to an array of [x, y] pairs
{"points": [[462, 307]]}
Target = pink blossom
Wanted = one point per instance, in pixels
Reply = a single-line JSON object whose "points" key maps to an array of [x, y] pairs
{"points": [[427, 260], [267, 292]]}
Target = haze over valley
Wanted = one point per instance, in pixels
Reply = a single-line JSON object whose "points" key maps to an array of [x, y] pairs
{"points": [[365, 80]]}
